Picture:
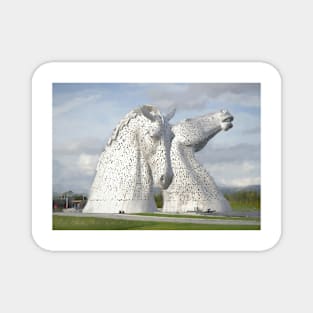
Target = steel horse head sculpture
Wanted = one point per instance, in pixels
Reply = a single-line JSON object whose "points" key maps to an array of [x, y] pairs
{"points": [[193, 189], [136, 158]]}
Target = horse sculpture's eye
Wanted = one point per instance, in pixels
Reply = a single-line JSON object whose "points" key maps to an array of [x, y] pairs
{"points": [[155, 134]]}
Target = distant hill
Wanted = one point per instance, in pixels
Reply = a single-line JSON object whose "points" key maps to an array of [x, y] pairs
{"points": [[69, 193], [230, 190]]}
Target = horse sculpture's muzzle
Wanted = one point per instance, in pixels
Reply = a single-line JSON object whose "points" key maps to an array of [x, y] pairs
{"points": [[227, 122]]}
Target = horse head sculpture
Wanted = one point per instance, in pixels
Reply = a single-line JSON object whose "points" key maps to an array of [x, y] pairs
{"points": [[196, 132], [193, 189], [136, 158]]}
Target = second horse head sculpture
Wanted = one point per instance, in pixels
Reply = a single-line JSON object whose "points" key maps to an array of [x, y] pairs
{"points": [[193, 189]]}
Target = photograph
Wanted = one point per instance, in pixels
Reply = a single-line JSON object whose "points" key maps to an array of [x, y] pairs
{"points": [[156, 156]]}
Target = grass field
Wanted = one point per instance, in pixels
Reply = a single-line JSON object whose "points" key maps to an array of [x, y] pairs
{"points": [[92, 223], [238, 206], [209, 217]]}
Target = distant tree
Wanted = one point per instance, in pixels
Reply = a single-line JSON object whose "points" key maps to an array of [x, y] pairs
{"points": [[79, 197], [245, 198], [158, 198]]}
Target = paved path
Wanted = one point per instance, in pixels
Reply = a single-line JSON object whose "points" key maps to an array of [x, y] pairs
{"points": [[162, 219]]}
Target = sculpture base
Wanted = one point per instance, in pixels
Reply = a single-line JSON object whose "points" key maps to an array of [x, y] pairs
{"points": [[218, 206], [117, 206]]}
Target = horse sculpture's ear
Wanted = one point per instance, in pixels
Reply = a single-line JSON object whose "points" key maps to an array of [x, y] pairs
{"points": [[170, 115], [146, 111]]}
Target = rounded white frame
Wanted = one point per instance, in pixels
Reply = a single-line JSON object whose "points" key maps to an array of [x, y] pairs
{"points": [[156, 72]]}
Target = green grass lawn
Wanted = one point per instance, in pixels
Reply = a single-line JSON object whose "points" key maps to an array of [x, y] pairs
{"points": [[92, 223], [210, 217], [237, 206]]}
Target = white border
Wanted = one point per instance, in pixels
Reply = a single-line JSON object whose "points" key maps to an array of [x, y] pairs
{"points": [[156, 72]]}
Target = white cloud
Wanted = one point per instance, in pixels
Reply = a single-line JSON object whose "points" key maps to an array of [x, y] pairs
{"points": [[67, 175], [238, 99], [87, 163], [89, 145], [198, 96], [235, 174], [74, 103], [243, 182], [239, 153]]}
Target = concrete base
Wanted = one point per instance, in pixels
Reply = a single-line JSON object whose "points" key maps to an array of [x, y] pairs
{"points": [[115, 206]]}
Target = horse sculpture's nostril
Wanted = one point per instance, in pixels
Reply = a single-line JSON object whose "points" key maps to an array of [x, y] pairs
{"points": [[165, 181]]}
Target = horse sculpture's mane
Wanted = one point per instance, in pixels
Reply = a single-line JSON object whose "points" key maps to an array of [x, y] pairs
{"points": [[128, 117], [123, 122]]}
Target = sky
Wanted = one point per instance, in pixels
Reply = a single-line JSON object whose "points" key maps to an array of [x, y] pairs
{"points": [[85, 114]]}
